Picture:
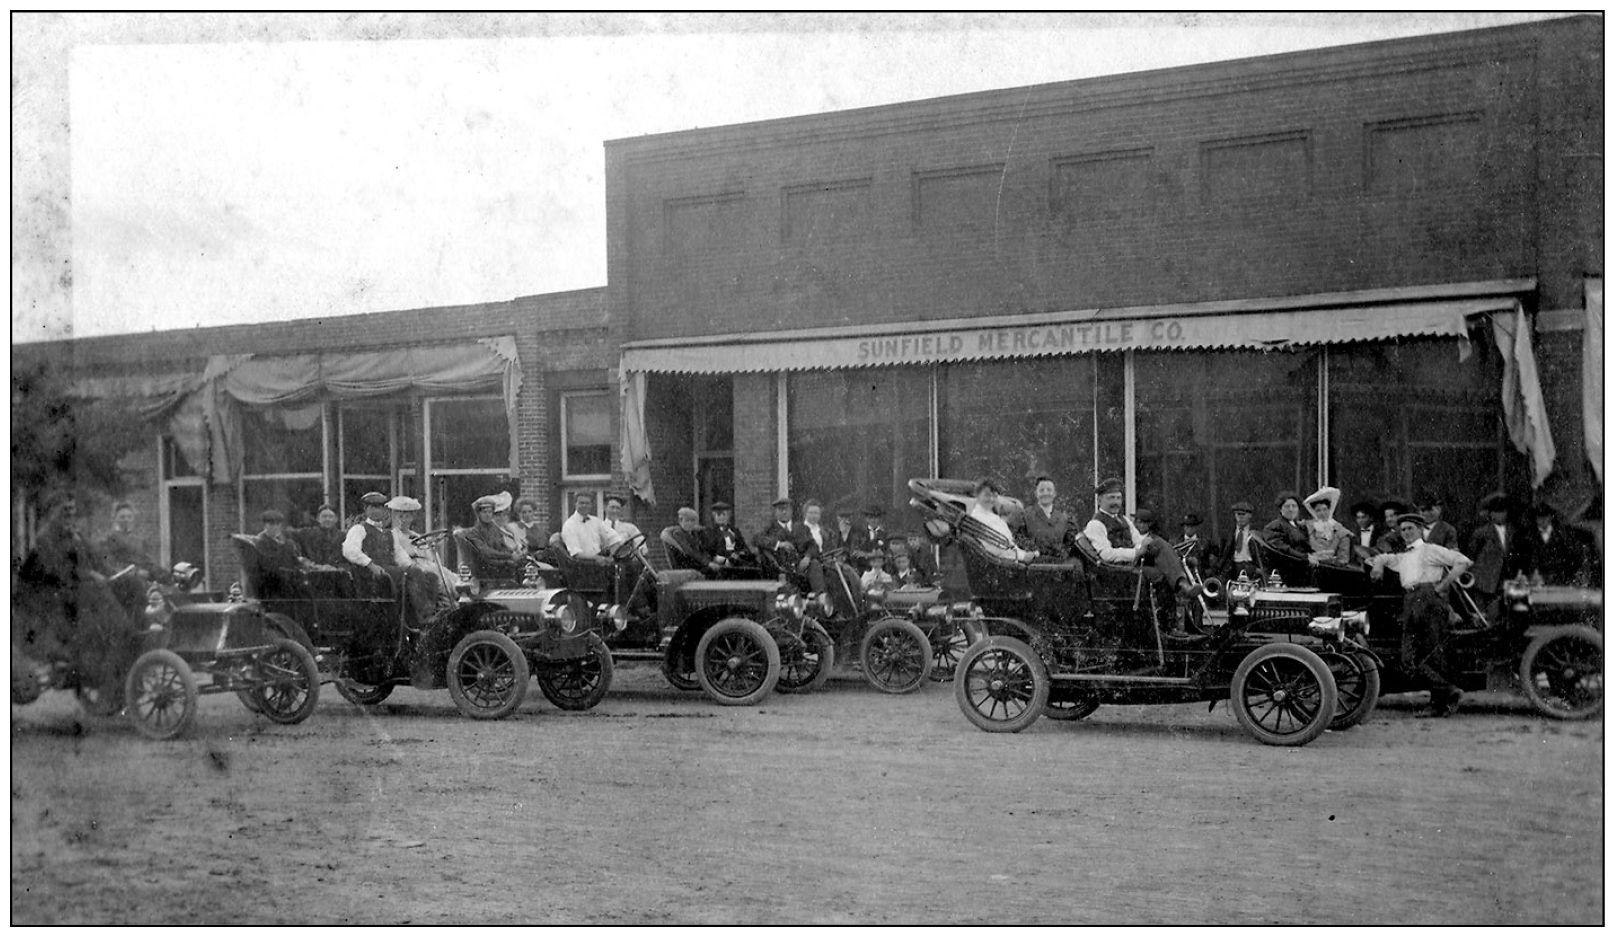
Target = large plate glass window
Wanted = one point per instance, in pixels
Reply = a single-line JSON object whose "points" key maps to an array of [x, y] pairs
{"points": [[469, 448], [283, 464], [181, 508], [857, 437]]}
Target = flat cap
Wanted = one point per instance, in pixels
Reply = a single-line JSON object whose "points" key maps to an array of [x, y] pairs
{"points": [[373, 498], [1411, 517], [874, 511], [783, 501], [722, 506], [1110, 485], [1191, 520], [273, 516], [1143, 516], [1242, 505]]}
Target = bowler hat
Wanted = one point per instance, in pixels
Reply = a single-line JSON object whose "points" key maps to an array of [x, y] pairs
{"points": [[1191, 520], [1109, 485], [1143, 516], [1399, 507], [373, 498]]}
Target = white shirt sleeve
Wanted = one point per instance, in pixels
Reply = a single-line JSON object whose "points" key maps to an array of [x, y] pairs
{"points": [[353, 546], [1099, 536]]}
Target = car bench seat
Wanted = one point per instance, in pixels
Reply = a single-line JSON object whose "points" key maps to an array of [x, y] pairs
{"points": [[596, 581]]}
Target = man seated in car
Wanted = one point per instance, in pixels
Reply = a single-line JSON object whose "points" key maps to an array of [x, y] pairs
{"points": [[685, 551], [429, 585], [1118, 541], [587, 537], [725, 542], [279, 556], [495, 557]]}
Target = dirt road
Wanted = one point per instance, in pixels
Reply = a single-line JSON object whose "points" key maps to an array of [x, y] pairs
{"points": [[842, 806]]}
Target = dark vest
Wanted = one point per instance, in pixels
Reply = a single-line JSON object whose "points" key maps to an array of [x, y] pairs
{"points": [[1120, 532], [377, 544]]}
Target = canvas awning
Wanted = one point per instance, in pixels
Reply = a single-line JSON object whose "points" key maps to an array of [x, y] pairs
{"points": [[1260, 324], [203, 410]]}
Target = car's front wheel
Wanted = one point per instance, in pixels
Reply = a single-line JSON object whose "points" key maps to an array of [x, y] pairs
{"points": [[896, 655], [1356, 678], [578, 685], [1562, 673], [805, 661], [1001, 684], [160, 693], [363, 693], [285, 683], [948, 642], [737, 662], [487, 675], [1283, 694]]}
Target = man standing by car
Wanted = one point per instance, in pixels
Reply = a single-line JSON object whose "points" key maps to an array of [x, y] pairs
{"points": [[1119, 543], [1427, 573], [1236, 555], [1497, 549], [1556, 555]]}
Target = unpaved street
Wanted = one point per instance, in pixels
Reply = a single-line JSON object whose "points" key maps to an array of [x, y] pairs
{"points": [[842, 806]]}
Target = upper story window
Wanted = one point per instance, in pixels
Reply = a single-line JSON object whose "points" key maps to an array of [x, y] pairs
{"points": [[585, 424]]}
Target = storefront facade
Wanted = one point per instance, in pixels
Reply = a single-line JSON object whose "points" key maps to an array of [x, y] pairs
{"points": [[1366, 266], [441, 404]]}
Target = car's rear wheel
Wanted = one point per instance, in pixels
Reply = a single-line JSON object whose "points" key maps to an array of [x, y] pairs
{"points": [[896, 655], [1562, 673], [1070, 707], [285, 686], [805, 661], [948, 642], [1356, 678], [487, 675], [737, 662], [1001, 684], [577, 685], [686, 680], [160, 693], [363, 693], [1284, 695]]}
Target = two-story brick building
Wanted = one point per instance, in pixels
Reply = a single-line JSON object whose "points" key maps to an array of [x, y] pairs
{"points": [[1217, 282]]}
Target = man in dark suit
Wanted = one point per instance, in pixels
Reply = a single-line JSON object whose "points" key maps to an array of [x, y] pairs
{"points": [[788, 544], [869, 538], [1390, 541], [1044, 527], [1555, 554], [685, 548], [724, 541], [1497, 548], [1365, 531], [1193, 547], [1430, 505], [1238, 553]]}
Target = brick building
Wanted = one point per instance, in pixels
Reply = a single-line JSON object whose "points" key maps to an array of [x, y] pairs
{"points": [[443, 404], [1216, 281]]}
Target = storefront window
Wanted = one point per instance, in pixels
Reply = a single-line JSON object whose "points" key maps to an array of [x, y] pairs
{"points": [[1017, 420], [283, 464], [1213, 428], [857, 437], [1411, 417], [585, 435], [470, 456]]}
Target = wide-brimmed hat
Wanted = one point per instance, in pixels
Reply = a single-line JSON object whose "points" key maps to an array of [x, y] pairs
{"points": [[1366, 507], [373, 498], [403, 503], [1109, 485], [486, 501], [1327, 494], [502, 501]]}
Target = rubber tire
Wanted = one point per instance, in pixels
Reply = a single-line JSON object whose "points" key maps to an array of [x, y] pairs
{"points": [[1543, 701], [361, 694], [1295, 658], [1362, 666], [728, 636], [1070, 710], [953, 648], [299, 656], [688, 682], [557, 681], [476, 645], [1028, 686], [181, 686], [896, 655], [818, 643]]}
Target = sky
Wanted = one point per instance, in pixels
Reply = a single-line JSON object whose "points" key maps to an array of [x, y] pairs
{"points": [[229, 182]]}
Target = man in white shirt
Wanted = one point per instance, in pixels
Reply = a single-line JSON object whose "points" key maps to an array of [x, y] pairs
{"points": [[625, 530], [428, 584], [587, 537], [1427, 573], [368, 544], [1119, 542]]}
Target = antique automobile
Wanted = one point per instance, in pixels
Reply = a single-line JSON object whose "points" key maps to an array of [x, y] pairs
{"points": [[1545, 641], [736, 639], [1065, 638], [484, 647], [903, 636], [154, 664]]}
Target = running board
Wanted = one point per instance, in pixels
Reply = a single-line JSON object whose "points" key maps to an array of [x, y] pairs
{"points": [[1122, 678], [637, 653]]}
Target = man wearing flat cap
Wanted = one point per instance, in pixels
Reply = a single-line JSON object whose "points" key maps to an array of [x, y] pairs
{"points": [[1427, 571], [724, 541], [495, 557], [1193, 547], [278, 553], [1237, 554], [791, 545], [368, 545], [1119, 542]]}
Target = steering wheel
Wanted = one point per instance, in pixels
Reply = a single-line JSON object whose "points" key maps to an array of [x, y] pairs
{"points": [[627, 548], [432, 538], [839, 553]]}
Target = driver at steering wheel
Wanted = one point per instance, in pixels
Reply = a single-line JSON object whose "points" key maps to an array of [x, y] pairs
{"points": [[587, 537]]}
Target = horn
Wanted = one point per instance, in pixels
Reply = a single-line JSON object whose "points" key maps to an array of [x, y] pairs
{"points": [[1212, 587], [1465, 581]]}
